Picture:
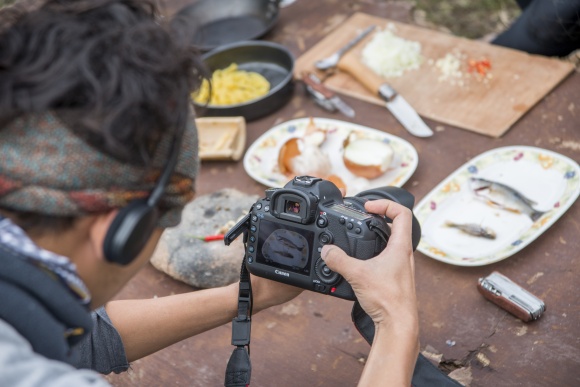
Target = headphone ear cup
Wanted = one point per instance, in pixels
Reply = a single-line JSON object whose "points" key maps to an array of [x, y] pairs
{"points": [[130, 231]]}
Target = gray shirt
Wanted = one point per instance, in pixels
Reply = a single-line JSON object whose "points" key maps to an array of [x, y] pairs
{"points": [[102, 350]]}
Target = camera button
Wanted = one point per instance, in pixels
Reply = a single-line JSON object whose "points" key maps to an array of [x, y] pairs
{"points": [[341, 221], [320, 288], [250, 259], [322, 221], [349, 226], [358, 230], [324, 273], [254, 218], [252, 239], [325, 238], [251, 249], [267, 208], [259, 206], [253, 228]]}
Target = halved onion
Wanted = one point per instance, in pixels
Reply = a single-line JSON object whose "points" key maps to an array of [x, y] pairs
{"points": [[366, 157], [337, 181], [302, 155], [287, 152]]}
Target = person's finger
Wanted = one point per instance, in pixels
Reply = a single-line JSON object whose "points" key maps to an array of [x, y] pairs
{"points": [[336, 259], [342, 191], [401, 216]]}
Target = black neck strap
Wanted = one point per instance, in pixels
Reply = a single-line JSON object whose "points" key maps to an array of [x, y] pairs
{"points": [[239, 368]]}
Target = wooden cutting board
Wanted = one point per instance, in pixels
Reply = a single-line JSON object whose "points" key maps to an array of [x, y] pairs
{"points": [[490, 107]]}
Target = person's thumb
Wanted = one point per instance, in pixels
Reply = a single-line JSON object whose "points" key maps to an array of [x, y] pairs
{"points": [[336, 259]]}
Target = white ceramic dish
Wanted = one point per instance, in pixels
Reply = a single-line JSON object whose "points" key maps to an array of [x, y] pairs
{"points": [[548, 178], [261, 159]]}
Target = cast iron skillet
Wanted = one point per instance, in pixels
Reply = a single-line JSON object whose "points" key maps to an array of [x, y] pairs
{"points": [[272, 60], [213, 23]]}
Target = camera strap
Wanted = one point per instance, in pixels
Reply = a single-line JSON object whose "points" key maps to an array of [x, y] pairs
{"points": [[380, 228], [425, 374], [239, 368]]}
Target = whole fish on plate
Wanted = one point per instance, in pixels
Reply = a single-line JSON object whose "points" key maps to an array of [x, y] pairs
{"points": [[473, 229], [504, 197]]}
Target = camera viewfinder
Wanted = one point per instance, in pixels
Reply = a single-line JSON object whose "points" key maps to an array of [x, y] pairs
{"points": [[292, 207]]}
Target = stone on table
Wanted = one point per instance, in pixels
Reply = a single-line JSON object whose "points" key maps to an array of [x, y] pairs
{"points": [[183, 256]]}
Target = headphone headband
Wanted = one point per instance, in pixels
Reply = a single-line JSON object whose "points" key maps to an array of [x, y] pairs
{"points": [[134, 224]]}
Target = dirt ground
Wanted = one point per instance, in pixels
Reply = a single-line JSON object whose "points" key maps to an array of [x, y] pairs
{"points": [[469, 18], [473, 19]]}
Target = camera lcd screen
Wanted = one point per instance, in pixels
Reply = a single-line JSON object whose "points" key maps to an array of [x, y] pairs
{"points": [[350, 212], [285, 246]]}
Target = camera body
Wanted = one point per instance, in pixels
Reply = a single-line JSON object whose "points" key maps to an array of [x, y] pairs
{"points": [[290, 225], [285, 231]]}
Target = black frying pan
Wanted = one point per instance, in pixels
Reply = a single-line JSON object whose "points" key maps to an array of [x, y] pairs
{"points": [[271, 60], [213, 23]]}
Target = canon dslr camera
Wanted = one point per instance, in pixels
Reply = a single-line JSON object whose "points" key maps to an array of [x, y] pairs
{"points": [[285, 231]]}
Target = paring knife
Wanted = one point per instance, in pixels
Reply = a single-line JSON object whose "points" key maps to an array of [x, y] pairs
{"points": [[396, 104], [312, 81]]}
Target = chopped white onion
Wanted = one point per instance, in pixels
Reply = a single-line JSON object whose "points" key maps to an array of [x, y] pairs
{"points": [[390, 56], [450, 68]]}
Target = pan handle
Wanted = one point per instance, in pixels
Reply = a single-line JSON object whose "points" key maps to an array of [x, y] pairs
{"points": [[275, 3], [273, 7]]}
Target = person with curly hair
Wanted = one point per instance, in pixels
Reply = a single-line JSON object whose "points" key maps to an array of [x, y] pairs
{"points": [[98, 155]]}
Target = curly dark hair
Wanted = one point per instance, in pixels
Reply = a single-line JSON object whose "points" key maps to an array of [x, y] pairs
{"points": [[115, 73]]}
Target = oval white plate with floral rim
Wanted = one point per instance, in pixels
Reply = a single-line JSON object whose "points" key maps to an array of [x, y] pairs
{"points": [[261, 159], [549, 179]]}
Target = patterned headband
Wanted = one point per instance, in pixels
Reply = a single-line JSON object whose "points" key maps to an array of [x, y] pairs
{"points": [[46, 169]]}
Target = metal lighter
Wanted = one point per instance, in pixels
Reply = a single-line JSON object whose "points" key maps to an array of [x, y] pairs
{"points": [[503, 292]]}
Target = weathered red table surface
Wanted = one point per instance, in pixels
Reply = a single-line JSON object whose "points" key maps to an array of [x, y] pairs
{"points": [[311, 340]]}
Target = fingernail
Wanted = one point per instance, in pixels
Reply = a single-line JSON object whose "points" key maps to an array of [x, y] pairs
{"points": [[324, 252]]}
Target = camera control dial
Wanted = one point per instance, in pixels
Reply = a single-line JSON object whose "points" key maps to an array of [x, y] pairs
{"points": [[325, 238], [324, 273]]}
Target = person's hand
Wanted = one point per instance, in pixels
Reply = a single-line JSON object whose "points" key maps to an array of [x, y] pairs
{"points": [[385, 284], [269, 293]]}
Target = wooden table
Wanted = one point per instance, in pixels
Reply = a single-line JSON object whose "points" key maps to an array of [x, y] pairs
{"points": [[311, 340]]}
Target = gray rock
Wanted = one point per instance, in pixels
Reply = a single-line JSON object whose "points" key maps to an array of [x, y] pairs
{"points": [[198, 263]]}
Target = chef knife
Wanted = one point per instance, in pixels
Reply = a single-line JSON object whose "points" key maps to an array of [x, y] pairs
{"points": [[396, 104], [314, 82], [404, 112]]}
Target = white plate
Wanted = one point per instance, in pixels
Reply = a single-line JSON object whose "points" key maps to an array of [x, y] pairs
{"points": [[261, 159], [548, 178]]}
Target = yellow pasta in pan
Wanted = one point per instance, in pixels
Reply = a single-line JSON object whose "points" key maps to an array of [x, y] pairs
{"points": [[231, 86]]}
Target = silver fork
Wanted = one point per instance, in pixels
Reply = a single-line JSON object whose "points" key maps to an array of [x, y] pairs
{"points": [[332, 61]]}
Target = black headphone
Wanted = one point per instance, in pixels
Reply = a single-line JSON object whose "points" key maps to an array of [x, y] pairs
{"points": [[134, 224]]}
